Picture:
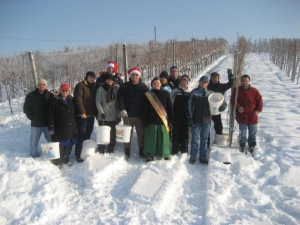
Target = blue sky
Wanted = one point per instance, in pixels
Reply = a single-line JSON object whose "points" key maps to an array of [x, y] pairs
{"points": [[51, 25]]}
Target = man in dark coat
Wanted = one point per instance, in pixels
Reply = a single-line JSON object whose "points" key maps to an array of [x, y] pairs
{"points": [[215, 86], [130, 100], [36, 108], [174, 80], [180, 131], [86, 110]]}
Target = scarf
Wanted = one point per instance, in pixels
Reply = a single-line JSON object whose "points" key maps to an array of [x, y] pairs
{"points": [[110, 96]]}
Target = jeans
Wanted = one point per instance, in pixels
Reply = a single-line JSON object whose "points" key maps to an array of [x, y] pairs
{"points": [[200, 133], [35, 135], [252, 130], [85, 129]]}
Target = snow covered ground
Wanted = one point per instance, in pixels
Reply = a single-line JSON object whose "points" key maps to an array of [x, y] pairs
{"points": [[106, 189]]}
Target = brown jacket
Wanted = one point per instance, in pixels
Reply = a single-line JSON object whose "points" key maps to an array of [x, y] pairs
{"points": [[85, 99]]}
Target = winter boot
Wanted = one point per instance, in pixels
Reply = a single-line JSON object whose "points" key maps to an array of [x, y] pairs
{"points": [[203, 161], [252, 147], [101, 149], [242, 147], [110, 149], [192, 160], [127, 153]]}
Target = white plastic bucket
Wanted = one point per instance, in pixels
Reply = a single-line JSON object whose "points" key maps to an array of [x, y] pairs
{"points": [[50, 150], [215, 100], [123, 133], [88, 148], [103, 135]]}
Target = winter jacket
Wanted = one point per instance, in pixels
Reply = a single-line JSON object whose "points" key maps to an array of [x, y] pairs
{"points": [[180, 99], [85, 99], [130, 98], [251, 101], [198, 106], [62, 118], [108, 108], [174, 83], [150, 116], [36, 107], [220, 87]]}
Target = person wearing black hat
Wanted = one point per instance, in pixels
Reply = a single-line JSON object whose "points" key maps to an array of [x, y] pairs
{"points": [[174, 80], [180, 131], [85, 110], [164, 76], [215, 86]]}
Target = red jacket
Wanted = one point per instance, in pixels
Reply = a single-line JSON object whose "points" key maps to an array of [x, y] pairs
{"points": [[251, 101]]}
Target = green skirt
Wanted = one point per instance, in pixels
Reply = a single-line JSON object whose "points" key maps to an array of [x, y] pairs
{"points": [[156, 141]]}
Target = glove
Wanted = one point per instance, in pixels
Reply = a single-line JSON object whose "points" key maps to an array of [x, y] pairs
{"points": [[103, 116], [190, 122], [118, 120], [223, 106], [229, 71], [124, 114]]}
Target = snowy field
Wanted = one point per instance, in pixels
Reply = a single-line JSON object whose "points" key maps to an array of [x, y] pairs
{"points": [[106, 189]]}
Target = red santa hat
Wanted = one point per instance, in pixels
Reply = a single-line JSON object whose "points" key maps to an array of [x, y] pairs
{"points": [[113, 65], [134, 70]]}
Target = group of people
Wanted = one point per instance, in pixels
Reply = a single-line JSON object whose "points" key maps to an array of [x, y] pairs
{"points": [[166, 110]]}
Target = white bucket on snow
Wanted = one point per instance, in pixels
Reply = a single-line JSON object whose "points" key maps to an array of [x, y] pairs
{"points": [[215, 100], [103, 135], [50, 150], [88, 148], [123, 133], [220, 140]]}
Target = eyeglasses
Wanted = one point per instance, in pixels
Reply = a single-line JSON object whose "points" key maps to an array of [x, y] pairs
{"points": [[64, 90]]}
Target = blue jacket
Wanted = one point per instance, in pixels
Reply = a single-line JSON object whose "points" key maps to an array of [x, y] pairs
{"points": [[198, 106]]}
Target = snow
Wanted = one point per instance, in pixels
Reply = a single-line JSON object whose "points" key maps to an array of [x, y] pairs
{"points": [[106, 189]]}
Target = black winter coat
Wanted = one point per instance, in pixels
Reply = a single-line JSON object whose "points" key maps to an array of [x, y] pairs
{"points": [[130, 98], [36, 107], [62, 118], [150, 116], [180, 99], [220, 87], [174, 83]]}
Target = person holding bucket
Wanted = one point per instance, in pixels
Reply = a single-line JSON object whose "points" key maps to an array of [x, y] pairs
{"points": [[108, 113], [217, 87], [199, 119], [84, 99], [130, 100], [62, 124], [157, 119], [36, 108]]}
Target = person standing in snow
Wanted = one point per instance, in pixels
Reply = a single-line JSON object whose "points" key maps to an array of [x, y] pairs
{"points": [[215, 86], [86, 111], [108, 113], [130, 100], [164, 76], [174, 80], [62, 124], [199, 119], [180, 131], [249, 104], [111, 69], [36, 108], [157, 119]]}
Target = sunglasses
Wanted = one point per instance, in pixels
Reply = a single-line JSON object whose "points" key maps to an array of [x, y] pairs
{"points": [[64, 90]]}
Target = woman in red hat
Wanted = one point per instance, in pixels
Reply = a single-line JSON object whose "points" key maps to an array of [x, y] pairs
{"points": [[62, 124]]}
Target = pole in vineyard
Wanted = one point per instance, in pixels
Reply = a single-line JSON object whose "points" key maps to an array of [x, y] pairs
{"points": [[125, 62], [233, 107]]}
